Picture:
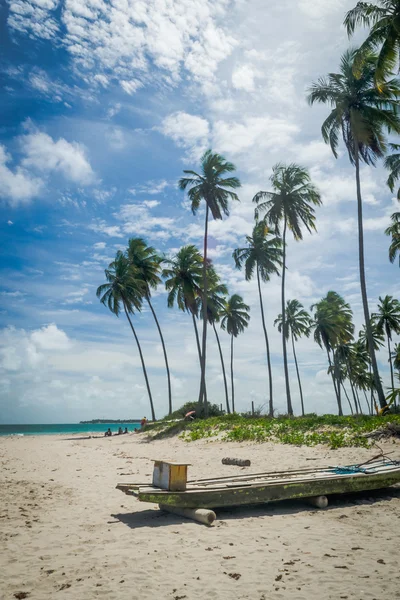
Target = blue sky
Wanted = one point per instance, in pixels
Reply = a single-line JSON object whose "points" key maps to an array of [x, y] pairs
{"points": [[103, 105]]}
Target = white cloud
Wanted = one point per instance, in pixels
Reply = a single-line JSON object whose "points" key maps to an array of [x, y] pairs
{"points": [[50, 337], [138, 220], [99, 245], [18, 186], [188, 131], [243, 78], [67, 158], [122, 40]]}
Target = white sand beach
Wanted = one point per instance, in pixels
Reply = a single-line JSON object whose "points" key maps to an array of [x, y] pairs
{"points": [[66, 532]]}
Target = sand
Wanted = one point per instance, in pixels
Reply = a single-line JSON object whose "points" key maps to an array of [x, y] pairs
{"points": [[66, 532]]}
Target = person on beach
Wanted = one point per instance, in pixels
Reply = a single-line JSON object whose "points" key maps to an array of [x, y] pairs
{"points": [[120, 431], [126, 430], [143, 422], [108, 432]]}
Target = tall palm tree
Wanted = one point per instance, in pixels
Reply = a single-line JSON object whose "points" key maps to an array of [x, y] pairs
{"points": [[125, 287], [392, 164], [263, 254], [361, 114], [394, 231], [183, 278], [333, 326], [383, 18], [147, 266], [378, 341], [298, 323], [212, 186], [291, 202], [235, 318], [387, 320], [396, 357], [216, 294]]}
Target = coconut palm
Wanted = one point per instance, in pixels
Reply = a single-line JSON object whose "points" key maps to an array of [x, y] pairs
{"points": [[387, 320], [383, 18], [392, 164], [396, 357], [262, 255], [212, 186], [361, 114], [147, 266], [298, 323], [378, 341], [234, 319], [216, 293], [183, 278], [394, 231], [333, 326], [289, 206], [125, 287]]}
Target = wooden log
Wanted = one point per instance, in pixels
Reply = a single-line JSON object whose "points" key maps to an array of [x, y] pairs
{"points": [[239, 462], [318, 501], [202, 515]]}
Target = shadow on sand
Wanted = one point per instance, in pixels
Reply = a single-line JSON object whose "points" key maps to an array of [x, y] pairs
{"points": [[158, 518]]}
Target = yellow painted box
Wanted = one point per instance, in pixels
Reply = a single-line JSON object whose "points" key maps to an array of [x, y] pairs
{"points": [[170, 476]]}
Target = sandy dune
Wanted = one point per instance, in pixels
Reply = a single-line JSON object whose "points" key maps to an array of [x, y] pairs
{"points": [[66, 532]]}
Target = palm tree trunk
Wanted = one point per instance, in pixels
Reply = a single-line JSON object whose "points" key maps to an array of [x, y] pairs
{"points": [[336, 367], [271, 402], [359, 403], [351, 383], [285, 363], [366, 400], [153, 414], [165, 356], [196, 331], [339, 403], [298, 377], [391, 363], [348, 399], [228, 410], [371, 348], [204, 338], [232, 384]]}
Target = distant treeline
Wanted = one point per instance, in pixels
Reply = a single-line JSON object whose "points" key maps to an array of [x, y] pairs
{"points": [[110, 421]]}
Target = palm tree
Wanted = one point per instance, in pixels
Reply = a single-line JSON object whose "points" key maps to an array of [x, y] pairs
{"points": [[394, 231], [235, 318], [298, 322], [183, 277], [124, 286], [392, 164], [362, 114], [147, 265], [383, 18], [215, 189], [333, 326], [216, 293], [387, 320], [378, 342], [263, 254], [290, 202]]}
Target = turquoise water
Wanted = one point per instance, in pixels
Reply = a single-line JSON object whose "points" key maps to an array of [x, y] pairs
{"points": [[65, 428]]}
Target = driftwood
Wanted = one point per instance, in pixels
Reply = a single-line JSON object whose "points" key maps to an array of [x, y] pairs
{"points": [[386, 431], [201, 515], [239, 462]]}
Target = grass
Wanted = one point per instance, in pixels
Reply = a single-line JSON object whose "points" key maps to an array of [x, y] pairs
{"points": [[333, 431]]}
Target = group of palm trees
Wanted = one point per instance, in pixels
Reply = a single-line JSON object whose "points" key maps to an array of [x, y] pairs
{"points": [[363, 98]]}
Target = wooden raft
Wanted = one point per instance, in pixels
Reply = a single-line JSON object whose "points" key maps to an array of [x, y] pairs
{"points": [[311, 484]]}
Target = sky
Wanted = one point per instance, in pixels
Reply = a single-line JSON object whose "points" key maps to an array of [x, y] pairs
{"points": [[103, 104]]}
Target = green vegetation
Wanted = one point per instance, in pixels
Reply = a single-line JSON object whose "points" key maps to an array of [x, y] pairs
{"points": [[334, 431]]}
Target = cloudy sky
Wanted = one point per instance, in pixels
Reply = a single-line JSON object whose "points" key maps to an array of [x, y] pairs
{"points": [[103, 105]]}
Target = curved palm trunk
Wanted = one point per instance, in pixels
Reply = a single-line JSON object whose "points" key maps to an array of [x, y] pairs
{"points": [[298, 377], [204, 338], [153, 414], [338, 400], [371, 349], [351, 383], [391, 363], [232, 384], [165, 356], [228, 410], [348, 399], [285, 363], [366, 400], [271, 402], [196, 331]]}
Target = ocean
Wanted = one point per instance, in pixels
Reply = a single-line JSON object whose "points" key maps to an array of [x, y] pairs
{"points": [[65, 428]]}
